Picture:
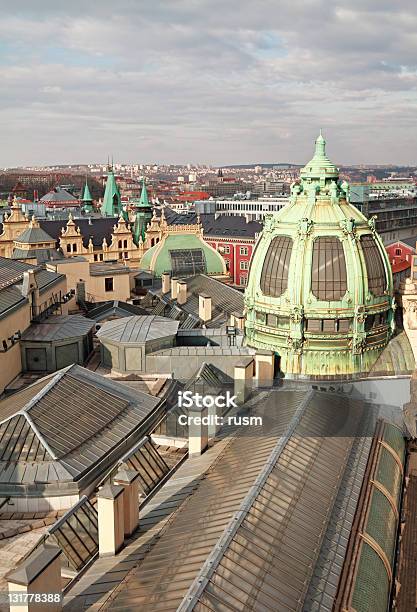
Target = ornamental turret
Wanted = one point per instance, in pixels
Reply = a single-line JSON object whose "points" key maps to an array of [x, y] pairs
{"points": [[87, 199], [143, 215], [320, 291]]}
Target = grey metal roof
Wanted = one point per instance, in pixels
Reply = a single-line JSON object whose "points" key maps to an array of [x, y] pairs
{"points": [[233, 226], [11, 276], [94, 228], [114, 308], [251, 534], [41, 255], [190, 322], [65, 429], [225, 299], [58, 328], [138, 329], [58, 195], [34, 235]]}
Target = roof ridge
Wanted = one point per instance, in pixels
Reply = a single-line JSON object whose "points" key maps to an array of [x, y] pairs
{"points": [[210, 565], [56, 377]]}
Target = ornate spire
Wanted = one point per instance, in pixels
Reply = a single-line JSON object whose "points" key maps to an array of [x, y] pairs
{"points": [[144, 200], [319, 168], [111, 205]]}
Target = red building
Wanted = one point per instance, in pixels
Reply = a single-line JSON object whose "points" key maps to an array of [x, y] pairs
{"points": [[234, 238], [400, 254]]}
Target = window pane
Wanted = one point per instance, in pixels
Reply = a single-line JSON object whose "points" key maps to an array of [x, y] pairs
{"points": [[271, 320], [377, 281], [274, 277], [187, 261], [328, 274]]}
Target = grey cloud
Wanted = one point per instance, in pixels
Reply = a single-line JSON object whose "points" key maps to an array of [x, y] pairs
{"points": [[208, 81]]}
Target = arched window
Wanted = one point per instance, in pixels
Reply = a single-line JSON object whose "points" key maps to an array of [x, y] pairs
{"points": [[74, 247], [274, 276], [125, 244], [68, 248], [120, 244], [377, 281], [328, 272]]}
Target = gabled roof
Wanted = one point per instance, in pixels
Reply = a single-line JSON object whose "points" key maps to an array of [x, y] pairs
{"points": [[68, 423]]}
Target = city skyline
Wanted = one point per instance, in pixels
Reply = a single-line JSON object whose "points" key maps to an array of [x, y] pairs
{"points": [[206, 83]]}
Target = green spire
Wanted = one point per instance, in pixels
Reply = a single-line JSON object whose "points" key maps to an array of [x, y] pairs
{"points": [[143, 215], [320, 167], [144, 201], [111, 206]]}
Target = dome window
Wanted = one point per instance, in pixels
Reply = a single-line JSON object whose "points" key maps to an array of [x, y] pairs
{"points": [[328, 273], [274, 277], [377, 280]]}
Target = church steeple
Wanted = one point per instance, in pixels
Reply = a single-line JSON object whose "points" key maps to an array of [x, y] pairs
{"points": [[111, 206]]}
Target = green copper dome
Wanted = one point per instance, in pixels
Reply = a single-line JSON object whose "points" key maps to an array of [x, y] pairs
{"points": [[182, 254], [320, 290]]}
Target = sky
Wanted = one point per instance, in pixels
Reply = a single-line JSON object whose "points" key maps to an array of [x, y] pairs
{"points": [[207, 81]]}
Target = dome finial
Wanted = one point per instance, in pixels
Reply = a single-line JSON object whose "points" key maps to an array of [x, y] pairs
{"points": [[320, 145]]}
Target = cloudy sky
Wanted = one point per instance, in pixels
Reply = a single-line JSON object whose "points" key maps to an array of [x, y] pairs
{"points": [[210, 81]]}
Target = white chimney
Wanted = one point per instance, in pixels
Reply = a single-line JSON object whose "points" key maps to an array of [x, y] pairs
{"points": [[181, 292], [204, 307], [174, 288], [166, 282]]}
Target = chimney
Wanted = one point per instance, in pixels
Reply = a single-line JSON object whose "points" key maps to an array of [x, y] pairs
{"points": [[129, 479], [30, 288], [197, 430], [166, 282], [43, 568], [174, 288], [243, 380], [204, 307], [237, 319], [181, 292], [111, 528]]}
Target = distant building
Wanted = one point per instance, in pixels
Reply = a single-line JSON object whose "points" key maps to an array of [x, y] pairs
{"points": [[59, 198], [253, 210]]}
